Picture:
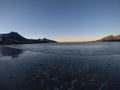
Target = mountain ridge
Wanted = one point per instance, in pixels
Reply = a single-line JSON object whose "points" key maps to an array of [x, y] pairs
{"points": [[16, 38], [110, 38]]}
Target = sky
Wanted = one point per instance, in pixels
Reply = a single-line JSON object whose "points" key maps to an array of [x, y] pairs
{"points": [[61, 20]]}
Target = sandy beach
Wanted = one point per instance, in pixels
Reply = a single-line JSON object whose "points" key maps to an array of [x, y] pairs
{"points": [[30, 70]]}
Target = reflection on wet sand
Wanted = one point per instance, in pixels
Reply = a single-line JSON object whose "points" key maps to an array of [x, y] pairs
{"points": [[8, 51]]}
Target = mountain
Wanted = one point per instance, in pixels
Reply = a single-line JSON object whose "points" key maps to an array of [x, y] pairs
{"points": [[16, 38], [110, 38], [45, 40], [12, 36]]}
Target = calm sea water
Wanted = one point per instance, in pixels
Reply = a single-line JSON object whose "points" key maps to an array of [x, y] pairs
{"points": [[60, 66]]}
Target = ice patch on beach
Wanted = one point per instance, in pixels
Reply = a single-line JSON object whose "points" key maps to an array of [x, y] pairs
{"points": [[82, 49]]}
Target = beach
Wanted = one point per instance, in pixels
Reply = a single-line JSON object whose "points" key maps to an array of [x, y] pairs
{"points": [[60, 66]]}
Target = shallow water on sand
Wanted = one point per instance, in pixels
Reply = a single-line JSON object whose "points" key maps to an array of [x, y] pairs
{"points": [[60, 66]]}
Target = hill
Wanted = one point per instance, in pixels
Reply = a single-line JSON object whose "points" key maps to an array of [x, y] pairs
{"points": [[16, 38], [110, 38]]}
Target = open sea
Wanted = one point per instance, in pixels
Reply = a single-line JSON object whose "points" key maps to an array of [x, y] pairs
{"points": [[60, 66]]}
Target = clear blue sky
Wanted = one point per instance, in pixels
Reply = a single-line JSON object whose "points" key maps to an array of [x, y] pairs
{"points": [[61, 20]]}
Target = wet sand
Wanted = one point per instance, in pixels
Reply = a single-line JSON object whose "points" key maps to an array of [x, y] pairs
{"points": [[28, 70]]}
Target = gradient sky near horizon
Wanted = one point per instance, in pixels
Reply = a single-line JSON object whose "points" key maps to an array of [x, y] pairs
{"points": [[61, 20]]}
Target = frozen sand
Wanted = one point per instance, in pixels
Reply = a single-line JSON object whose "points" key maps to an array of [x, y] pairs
{"points": [[33, 70]]}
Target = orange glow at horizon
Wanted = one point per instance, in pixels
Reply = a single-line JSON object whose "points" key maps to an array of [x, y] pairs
{"points": [[77, 40]]}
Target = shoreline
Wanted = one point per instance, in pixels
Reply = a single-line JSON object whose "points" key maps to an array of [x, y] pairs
{"points": [[26, 69]]}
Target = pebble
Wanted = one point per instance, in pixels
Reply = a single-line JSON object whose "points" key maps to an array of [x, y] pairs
{"points": [[83, 84], [73, 82]]}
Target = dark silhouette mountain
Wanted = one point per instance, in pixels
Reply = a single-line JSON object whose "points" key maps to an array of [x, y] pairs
{"points": [[16, 38], [110, 38], [12, 36], [45, 40]]}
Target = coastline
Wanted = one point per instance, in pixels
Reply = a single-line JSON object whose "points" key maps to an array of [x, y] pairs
{"points": [[31, 70]]}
